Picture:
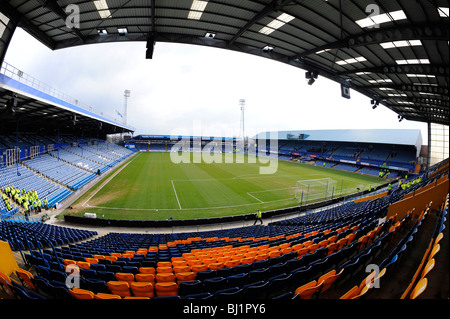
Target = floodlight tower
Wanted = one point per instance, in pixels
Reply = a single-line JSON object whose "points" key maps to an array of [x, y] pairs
{"points": [[242, 131], [126, 95]]}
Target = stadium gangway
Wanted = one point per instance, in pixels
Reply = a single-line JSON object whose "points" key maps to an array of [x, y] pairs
{"points": [[13, 230]]}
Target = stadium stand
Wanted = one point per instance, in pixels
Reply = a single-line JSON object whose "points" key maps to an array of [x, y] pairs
{"points": [[320, 255], [54, 172]]}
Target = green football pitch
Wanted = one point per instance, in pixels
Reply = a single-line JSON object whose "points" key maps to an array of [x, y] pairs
{"points": [[151, 186]]}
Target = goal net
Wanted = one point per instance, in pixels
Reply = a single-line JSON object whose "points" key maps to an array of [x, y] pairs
{"points": [[314, 190]]}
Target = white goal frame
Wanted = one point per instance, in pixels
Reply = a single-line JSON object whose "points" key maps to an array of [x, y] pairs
{"points": [[315, 189]]}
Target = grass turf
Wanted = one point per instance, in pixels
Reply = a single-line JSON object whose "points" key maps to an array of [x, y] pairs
{"points": [[152, 187]]}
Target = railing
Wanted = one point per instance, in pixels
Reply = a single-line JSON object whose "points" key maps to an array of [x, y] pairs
{"points": [[22, 77], [15, 230]]}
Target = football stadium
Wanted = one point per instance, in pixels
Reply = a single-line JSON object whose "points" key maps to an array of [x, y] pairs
{"points": [[94, 208]]}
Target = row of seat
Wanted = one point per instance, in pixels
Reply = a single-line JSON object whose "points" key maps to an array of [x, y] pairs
{"points": [[419, 282]]}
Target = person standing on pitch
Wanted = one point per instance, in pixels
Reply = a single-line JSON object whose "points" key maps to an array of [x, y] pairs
{"points": [[258, 217]]}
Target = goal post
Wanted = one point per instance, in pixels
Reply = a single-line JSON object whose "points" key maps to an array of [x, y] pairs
{"points": [[314, 190]]}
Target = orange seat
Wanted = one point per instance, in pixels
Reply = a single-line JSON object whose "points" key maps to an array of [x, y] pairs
{"points": [[178, 269], [91, 260], [142, 289], [164, 270], [78, 293], [302, 251], [249, 260], [25, 277], [164, 264], [428, 267], [83, 265], [232, 263], [69, 262], [99, 256], [145, 278], [329, 279], [115, 254], [435, 250], [312, 248], [351, 293], [111, 258], [125, 276], [101, 295], [178, 263], [215, 266], [332, 248], [419, 288], [165, 277], [194, 262], [308, 290], [147, 270], [197, 268], [134, 297], [262, 257], [121, 288], [164, 289], [185, 276]]}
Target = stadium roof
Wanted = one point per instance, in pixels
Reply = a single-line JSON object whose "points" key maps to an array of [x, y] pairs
{"points": [[396, 52], [409, 137], [35, 106]]}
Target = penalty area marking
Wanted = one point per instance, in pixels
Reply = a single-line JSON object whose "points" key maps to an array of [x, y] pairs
{"points": [[176, 195], [85, 204], [255, 198]]}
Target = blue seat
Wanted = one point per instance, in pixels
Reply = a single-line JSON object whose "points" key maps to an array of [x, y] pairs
{"points": [[97, 267], [88, 273], [286, 295], [238, 280], [106, 276], [57, 275], [229, 293], [59, 290], [278, 285], [42, 285], [96, 285], [256, 290], [205, 274], [257, 275], [42, 271], [299, 277], [130, 269], [212, 285], [276, 269], [203, 295], [186, 288]]}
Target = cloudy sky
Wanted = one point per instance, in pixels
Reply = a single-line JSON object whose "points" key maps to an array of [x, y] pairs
{"points": [[196, 90]]}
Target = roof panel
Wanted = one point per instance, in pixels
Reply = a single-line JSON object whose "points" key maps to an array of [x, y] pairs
{"points": [[318, 26]]}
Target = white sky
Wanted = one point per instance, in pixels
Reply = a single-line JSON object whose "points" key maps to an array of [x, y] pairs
{"points": [[195, 90]]}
